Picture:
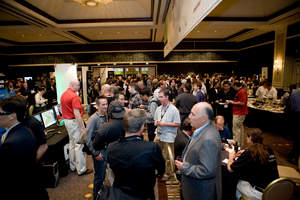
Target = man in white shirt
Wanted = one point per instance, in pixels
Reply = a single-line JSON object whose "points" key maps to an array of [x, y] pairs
{"points": [[167, 120], [272, 92], [262, 90], [40, 101]]}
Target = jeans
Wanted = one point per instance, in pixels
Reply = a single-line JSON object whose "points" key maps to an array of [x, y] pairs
{"points": [[99, 173], [76, 156], [245, 188], [238, 128]]}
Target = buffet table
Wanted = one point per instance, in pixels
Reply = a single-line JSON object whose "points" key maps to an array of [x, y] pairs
{"points": [[268, 116]]}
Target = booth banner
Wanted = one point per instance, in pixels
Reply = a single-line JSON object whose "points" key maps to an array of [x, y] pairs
{"points": [[182, 18], [64, 73]]}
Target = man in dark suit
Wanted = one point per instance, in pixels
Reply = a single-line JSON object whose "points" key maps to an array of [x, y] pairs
{"points": [[185, 101], [201, 166], [182, 138], [17, 155]]}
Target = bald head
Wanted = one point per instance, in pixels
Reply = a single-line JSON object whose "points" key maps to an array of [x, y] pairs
{"points": [[74, 85], [201, 114]]}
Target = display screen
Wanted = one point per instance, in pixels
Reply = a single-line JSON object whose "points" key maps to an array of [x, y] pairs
{"points": [[27, 78], [57, 109], [144, 70], [38, 117], [118, 71], [48, 118]]}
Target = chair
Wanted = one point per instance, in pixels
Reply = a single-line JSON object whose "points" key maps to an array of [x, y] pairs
{"points": [[279, 189], [30, 110]]}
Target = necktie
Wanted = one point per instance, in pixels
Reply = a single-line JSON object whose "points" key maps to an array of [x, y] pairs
{"points": [[2, 139]]}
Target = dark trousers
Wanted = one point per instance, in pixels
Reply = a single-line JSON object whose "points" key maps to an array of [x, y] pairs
{"points": [[295, 121], [151, 130], [99, 173]]}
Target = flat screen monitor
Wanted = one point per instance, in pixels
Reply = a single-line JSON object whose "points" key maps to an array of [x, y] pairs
{"points": [[57, 109], [38, 117], [48, 118], [27, 78]]}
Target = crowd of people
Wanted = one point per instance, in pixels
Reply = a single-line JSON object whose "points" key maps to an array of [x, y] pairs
{"points": [[188, 120]]}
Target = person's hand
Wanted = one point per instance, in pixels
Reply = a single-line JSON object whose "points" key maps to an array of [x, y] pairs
{"points": [[142, 106], [178, 164], [99, 157], [156, 123], [239, 153], [217, 101], [231, 155]]}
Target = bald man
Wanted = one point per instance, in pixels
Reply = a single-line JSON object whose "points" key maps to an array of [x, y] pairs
{"points": [[72, 113], [201, 166]]}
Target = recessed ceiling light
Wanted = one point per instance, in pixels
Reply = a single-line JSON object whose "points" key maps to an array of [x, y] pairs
{"points": [[215, 31], [23, 35], [147, 63], [91, 3], [100, 32], [118, 32], [40, 35], [115, 63], [136, 32]]}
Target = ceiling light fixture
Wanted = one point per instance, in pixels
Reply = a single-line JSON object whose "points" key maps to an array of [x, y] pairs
{"points": [[93, 3]]}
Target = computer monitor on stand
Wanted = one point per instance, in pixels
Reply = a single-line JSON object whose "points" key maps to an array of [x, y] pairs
{"points": [[49, 118]]}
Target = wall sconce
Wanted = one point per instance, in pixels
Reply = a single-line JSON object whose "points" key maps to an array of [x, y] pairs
{"points": [[277, 65]]}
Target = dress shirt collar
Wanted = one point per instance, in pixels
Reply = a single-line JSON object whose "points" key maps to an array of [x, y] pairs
{"points": [[198, 131], [7, 130]]}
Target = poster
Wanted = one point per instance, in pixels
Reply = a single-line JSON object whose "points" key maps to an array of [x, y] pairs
{"points": [[264, 73]]}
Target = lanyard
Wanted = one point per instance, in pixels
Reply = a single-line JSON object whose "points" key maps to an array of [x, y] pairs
{"points": [[162, 115]]}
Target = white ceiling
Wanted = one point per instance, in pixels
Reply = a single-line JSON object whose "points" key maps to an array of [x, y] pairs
{"points": [[133, 20], [68, 10]]}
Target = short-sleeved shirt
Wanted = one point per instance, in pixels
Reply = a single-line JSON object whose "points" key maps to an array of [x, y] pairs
{"points": [[241, 96], [70, 101], [171, 115]]}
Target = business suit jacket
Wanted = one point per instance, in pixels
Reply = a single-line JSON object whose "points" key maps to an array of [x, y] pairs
{"points": [[202, 166], [18, 166]]}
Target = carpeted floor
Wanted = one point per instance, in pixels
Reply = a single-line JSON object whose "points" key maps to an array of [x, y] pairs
{"points": [[74, 187]]}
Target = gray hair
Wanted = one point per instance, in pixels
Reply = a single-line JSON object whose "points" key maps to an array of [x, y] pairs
{"points": [[133, 120]]}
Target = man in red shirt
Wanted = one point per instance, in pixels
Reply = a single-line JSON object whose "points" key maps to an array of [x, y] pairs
{"points": [[239, 111], [72, 114]]}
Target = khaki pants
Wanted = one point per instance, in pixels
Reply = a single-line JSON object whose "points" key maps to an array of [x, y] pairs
{"points": [[168, 154], [77, 158], [238, 128]]}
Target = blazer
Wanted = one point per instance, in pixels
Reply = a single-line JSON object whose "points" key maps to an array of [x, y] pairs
{"points": [[18, 165], [201, 171]]}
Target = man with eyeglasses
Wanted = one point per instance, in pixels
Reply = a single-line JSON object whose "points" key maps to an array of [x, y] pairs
{"points": [[17, 155]]}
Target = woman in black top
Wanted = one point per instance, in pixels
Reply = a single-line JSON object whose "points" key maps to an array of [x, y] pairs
{"points": [[255, 166]]}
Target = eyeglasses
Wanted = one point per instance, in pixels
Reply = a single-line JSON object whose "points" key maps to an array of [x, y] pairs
{"points": [[5, 113]]}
